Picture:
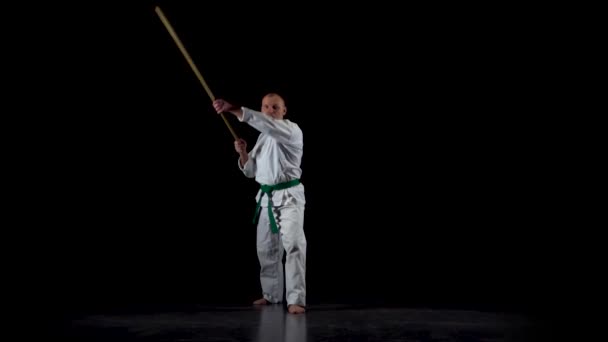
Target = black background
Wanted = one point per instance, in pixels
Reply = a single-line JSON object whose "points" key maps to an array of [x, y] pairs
{"points": [[424, 163]]}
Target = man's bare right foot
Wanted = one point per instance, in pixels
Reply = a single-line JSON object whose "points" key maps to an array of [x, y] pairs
{"points": [[261, 301]]}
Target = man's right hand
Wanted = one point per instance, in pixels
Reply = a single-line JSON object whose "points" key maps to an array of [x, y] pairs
{"points": [[222, 106]]}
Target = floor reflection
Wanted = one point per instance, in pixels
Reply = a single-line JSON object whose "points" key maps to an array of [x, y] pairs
{"points": [[276, 324]]}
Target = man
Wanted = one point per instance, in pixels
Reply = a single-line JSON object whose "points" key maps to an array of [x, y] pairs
{"points": [[274, 162]]}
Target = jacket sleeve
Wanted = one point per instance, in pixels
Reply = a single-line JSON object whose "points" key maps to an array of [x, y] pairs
{"points": [[281, 130], [249, 167]]}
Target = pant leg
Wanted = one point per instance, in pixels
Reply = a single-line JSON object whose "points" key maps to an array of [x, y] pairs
{"points": [[291, 223], [270, 256]]}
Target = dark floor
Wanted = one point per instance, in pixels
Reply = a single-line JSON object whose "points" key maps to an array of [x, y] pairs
{"points": [[320, 323]]}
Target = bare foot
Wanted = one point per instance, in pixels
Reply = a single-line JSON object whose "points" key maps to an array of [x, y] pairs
{"points": [[295, 309], [261, 301]]}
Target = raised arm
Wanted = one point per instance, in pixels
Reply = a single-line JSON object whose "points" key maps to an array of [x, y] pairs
{"points": [[222, 106]]}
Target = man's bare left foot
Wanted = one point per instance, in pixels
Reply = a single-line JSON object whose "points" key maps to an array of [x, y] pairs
{"points": [[295, 309]]}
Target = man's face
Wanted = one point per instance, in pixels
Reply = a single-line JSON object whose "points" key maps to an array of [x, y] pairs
{"points": [[274, 106]]}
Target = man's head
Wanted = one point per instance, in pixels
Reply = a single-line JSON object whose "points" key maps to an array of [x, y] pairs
{"points": [[273, 105]]}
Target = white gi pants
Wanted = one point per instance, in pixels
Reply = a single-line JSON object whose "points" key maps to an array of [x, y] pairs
{"points": [[290, 241]]}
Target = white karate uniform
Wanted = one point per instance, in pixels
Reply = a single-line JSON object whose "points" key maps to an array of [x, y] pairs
{"points": [[274, 159]]}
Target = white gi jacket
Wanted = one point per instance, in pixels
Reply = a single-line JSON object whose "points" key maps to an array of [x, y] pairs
{"points": [[276, 157]]}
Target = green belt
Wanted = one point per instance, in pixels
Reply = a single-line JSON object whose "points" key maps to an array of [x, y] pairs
{"points": [[268, 189]]}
